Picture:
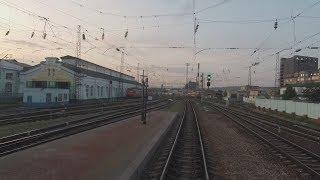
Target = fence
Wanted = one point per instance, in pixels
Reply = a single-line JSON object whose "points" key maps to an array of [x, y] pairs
{"points": [[311, 110], [10, 98]]}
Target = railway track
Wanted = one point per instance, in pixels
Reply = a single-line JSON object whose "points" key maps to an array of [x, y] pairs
{"points": [[304, 161], [48, 115], [27, 111], [29, 139], [282, 121], [181, 154], [276, 124]]}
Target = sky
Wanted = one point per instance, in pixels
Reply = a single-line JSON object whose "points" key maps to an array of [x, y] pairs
{"points": [[156, 26]]}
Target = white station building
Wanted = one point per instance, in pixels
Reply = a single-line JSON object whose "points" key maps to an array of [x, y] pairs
{"points": [[69, 78]]}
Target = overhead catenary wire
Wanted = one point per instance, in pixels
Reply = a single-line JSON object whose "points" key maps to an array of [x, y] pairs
{"points": [[34, 14]]}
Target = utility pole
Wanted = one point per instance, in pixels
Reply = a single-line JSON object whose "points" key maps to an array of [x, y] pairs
{"points": [[187, 78], [276, 74], [202, 81], [121, 50], [138, 73], [249, 76], [78, 73], [294, 30], [144, 98], [250, 67], [121, 71], [198, 75], [78, 45]]}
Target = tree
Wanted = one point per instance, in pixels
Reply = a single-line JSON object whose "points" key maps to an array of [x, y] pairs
{"points": [[313, 94], [289, 94], [225, 93]]}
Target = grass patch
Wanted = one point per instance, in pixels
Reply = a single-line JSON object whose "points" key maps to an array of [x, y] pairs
{"points": [[176, 107], [296, 119], [10, 105], [7, 130]]}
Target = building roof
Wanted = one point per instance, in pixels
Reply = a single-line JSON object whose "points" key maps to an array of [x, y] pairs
{"points": [[72, 57], [96, 74], [13, 61], [297, 57]]}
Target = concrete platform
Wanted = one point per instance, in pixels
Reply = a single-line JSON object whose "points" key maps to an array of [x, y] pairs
{"points": [[109, 152]]}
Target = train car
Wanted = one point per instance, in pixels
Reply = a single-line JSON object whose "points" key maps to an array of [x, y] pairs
{"points": [[134, 92]]}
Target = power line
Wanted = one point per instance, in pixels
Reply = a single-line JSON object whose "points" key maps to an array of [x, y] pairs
{"points": [[245, 21], [212, 6], [307, 8], [34, 14]]}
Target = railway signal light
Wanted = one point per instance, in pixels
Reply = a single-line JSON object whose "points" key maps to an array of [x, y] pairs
{"points": [[209, 77], [147, 82], [208, 80]]}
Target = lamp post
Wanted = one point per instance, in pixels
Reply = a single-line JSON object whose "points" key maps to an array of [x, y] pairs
{"points": [[121, 50]]}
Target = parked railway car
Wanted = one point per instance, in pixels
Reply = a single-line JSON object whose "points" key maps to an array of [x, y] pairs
{"points": [[134, 92]]}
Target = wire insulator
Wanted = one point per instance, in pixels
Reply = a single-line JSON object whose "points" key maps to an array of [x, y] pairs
{"points": [[276, 24]]}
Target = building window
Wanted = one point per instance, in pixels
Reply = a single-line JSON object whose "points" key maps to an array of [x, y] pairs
{"points": [[51, 84], [62, 85], [87, 91], [98, 89], [65, 97], [107, 91], [9, 76], [59, 97], [91, 91], [29, 84], [29, 99], [102, 94], [8, 88], [49, 72]]}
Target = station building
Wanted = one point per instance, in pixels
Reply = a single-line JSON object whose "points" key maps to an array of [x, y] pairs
{"points": [[65, 79], [9, 78]]}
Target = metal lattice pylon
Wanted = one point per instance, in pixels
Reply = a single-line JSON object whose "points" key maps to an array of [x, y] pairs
{"points": [[277, 71], [77, 63]]}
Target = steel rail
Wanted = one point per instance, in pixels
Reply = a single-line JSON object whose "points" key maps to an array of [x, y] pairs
{"points": [[293, 154], [165, 168], [30, 141], [307, 133], [37, 111], [174, 146], [57, 114], [201, 143]]}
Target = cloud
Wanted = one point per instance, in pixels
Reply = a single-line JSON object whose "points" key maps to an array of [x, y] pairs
{"points": [[23, 43]]}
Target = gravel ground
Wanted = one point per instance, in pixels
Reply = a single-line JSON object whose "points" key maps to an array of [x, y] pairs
{"points": [[236, 155], [101, 153], [313, 146]]}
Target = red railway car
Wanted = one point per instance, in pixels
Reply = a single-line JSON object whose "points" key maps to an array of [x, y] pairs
{"points": [[134, 92]]}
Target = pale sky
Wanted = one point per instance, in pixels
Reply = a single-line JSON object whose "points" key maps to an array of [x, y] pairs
{"points": [[155, 25]]}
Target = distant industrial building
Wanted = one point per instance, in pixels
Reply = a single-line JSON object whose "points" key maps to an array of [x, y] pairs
{"points": [[191, 86], [296, 64], [9, 78], [69, 78]]}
